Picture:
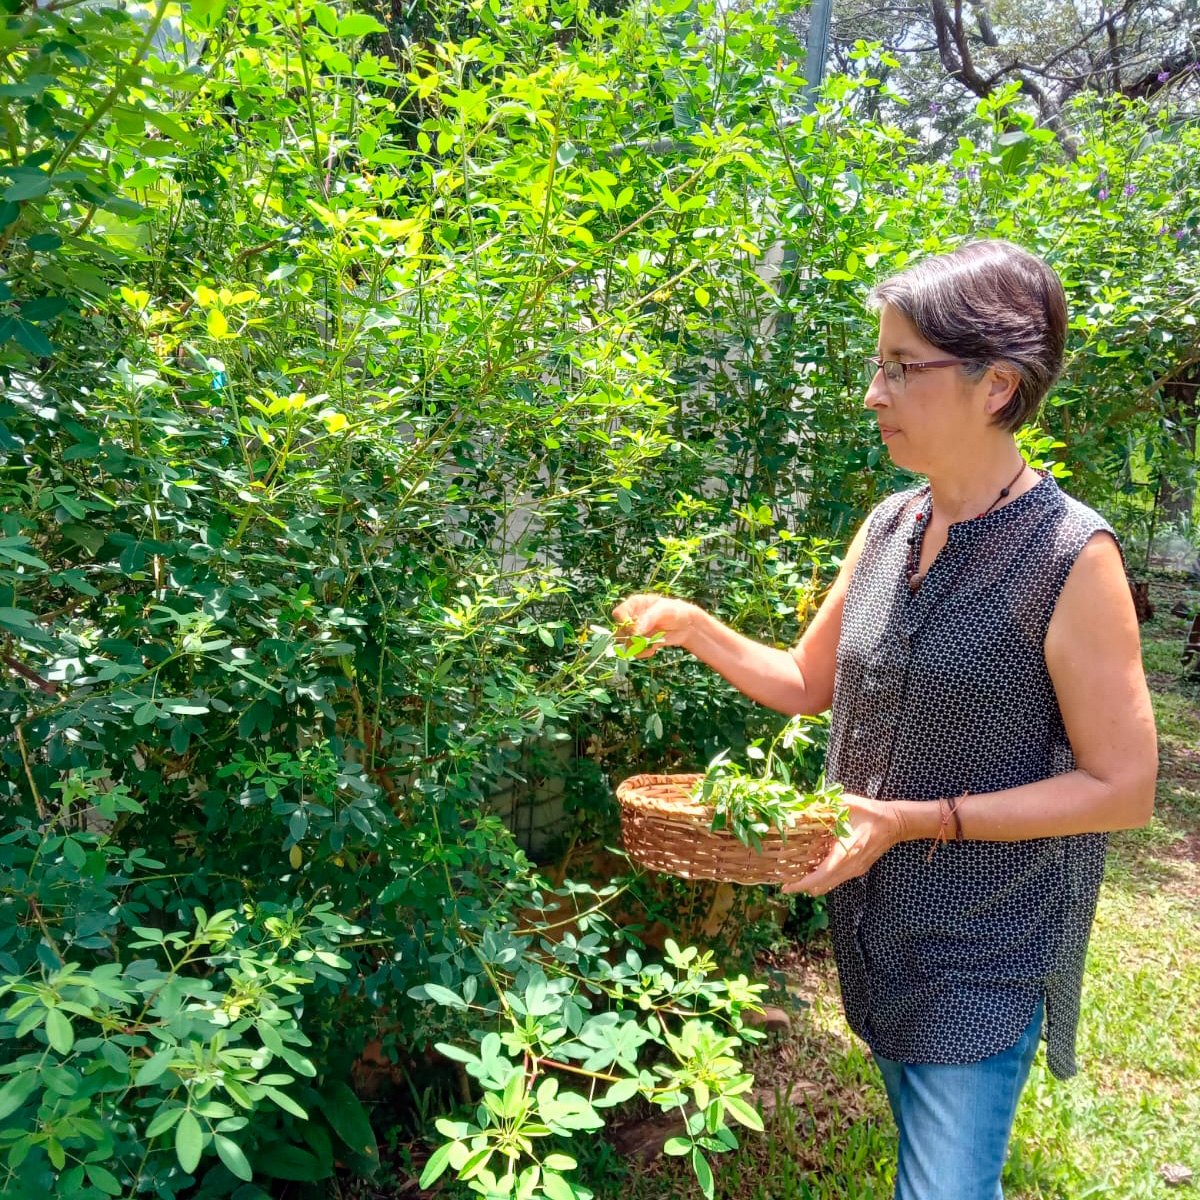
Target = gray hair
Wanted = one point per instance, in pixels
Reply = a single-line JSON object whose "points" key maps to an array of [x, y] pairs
{"points": [[988, 302]]}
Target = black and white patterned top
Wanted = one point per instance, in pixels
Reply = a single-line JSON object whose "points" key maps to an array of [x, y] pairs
{"points": [[938, 692]]}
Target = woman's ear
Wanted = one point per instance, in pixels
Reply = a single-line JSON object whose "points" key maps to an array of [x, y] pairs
{"points": [[1002, 382]]}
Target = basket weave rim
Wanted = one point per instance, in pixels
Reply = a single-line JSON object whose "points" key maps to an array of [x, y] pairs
{"points": [[630, 797]]}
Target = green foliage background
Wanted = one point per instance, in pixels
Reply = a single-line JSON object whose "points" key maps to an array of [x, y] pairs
{"points": [[352, 375]]}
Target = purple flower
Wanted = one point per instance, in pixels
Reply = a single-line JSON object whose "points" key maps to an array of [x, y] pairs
{"points": [[935, 107], [1163, 76], [1102, 195], [1130, 190], [1180, 234]]}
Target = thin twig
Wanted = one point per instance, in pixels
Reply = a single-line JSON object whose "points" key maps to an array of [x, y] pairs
{"points": [[33, 787]]}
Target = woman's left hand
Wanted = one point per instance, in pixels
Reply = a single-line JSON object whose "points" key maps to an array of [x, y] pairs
{"points": [[875, 826]]}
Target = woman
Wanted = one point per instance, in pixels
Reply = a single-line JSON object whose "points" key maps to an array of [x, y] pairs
{"points": [[991, 721]]}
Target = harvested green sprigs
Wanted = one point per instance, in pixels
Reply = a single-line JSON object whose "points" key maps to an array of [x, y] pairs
{"points": [[751, 805]]}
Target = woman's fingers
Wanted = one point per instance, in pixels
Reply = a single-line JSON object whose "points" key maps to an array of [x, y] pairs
{"points": [[626, 611], [635, 617], [649, 615], [845, 860], [629, 614], [873, 831], [825, 876]]}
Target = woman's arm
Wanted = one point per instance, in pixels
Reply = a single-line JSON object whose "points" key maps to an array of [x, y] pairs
{"points": [[1094, 659], [799, 680]]}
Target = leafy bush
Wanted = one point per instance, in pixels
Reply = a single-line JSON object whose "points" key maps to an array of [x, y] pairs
{"points": [[135, 1068]]}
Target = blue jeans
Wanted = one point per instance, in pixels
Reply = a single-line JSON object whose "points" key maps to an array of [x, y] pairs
{"points": [[955, 1120]]}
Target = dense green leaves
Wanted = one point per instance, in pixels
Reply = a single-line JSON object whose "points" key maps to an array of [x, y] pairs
{"points": [[349, 1119], [345, 395], [189, 1141]]}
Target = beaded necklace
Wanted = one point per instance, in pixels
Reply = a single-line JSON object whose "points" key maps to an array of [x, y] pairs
{"points": [[914, 540]]}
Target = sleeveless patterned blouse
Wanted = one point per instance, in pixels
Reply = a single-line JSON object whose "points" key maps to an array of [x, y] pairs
{"points": [[938, 692]]}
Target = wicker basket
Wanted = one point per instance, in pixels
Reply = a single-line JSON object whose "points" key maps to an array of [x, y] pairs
{"points": [[663, 830]]}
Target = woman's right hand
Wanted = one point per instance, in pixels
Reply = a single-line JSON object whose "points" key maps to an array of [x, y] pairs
{"points": [[646, 614]]}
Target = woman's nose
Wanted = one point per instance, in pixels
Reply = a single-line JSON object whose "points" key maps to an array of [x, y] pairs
{"points": [[877, 395]]}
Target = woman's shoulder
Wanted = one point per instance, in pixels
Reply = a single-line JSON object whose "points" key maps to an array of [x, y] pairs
{"points": [[888, 512], [1067, 527], [1077, 521]]}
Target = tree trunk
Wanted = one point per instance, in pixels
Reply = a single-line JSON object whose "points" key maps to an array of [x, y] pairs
{"points": [[1182, 408]]}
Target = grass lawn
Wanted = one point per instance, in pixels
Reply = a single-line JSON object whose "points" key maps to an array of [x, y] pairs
{"points": [[1133, 1109]]}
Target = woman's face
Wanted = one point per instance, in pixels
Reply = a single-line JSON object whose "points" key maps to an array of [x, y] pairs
{"points": [[939, 414]]}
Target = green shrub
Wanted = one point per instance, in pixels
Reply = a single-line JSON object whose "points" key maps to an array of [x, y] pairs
{"points": [[346, 393]]}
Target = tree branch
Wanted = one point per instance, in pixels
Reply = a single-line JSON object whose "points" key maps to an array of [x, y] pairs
{"points": [[32, 676], [986, 33], [1149, 82], [953, 50]]}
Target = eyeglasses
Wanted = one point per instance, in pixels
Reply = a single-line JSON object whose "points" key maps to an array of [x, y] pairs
{"points": [[896, 373]]}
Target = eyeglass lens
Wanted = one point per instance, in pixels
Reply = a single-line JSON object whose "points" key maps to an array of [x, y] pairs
{"points": [[893, 372]]}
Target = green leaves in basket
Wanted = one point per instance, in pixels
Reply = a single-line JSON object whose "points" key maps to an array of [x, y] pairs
{"points": [[749, 805]]}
